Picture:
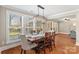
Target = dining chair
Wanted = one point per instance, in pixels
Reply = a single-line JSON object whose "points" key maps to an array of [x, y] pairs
{"points": [[25, 44], [40, 47], [48, 41], [44, 44], [53, 39]]}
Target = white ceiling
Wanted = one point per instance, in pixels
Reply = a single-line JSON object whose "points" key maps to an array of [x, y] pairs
{"points": [[49, 9]]}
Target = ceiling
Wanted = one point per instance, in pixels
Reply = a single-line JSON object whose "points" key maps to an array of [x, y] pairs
{"points": [[49, 9]]}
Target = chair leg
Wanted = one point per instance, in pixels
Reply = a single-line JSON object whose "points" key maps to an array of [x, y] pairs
{"points": [[35, 52], [38, 51], [21, 51], [54, 45], [50, 48], [24, 51], [44, 51]]}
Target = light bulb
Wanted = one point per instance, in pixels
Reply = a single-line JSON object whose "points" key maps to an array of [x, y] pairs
{"points": [[74, 24]]}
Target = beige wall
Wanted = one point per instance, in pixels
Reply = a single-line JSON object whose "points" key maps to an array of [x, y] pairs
{"points": [[77, 30], [2, 25], [66, 27]]}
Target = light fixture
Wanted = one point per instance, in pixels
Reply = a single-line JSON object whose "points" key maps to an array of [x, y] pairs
{"points": [[74, 24], [41, 7], [67, 19], [38, 15]]}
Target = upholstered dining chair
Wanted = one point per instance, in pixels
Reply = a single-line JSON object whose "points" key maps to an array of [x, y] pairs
{"points": [[40, 46], [48, 40], [43, 45], [25, 44]]}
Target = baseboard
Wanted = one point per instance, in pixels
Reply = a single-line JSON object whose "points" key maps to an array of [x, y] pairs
{"points": [[62, 33], [8, 46]]}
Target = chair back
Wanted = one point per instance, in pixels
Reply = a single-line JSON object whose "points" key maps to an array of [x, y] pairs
{"points": [[46, 34], [47, 38], [25, 44], [53, 35], [24, 40]]}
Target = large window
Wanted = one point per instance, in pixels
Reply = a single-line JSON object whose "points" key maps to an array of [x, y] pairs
{"points": [[14, 27]]}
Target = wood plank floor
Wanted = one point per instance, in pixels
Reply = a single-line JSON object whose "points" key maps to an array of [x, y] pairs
{"points": [[64, 45]]}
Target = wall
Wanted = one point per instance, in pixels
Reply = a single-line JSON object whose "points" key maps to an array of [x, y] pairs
{"points": [[2, 25], [55, 26], [77, 30], [66, 27]]}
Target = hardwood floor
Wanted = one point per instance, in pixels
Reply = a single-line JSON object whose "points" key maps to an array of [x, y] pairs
{"points": [[64, 45]]}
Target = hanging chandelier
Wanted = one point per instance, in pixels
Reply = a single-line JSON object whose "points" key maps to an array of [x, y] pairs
{"points": [[38, 14], [41, 7]]}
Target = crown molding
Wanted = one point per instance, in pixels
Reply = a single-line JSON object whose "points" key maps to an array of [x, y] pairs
{"points": [[18, 10], [73, 12], [59, 15]]}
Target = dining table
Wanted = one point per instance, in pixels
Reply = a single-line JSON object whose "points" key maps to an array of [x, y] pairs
{"points": [[34, 38]]}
